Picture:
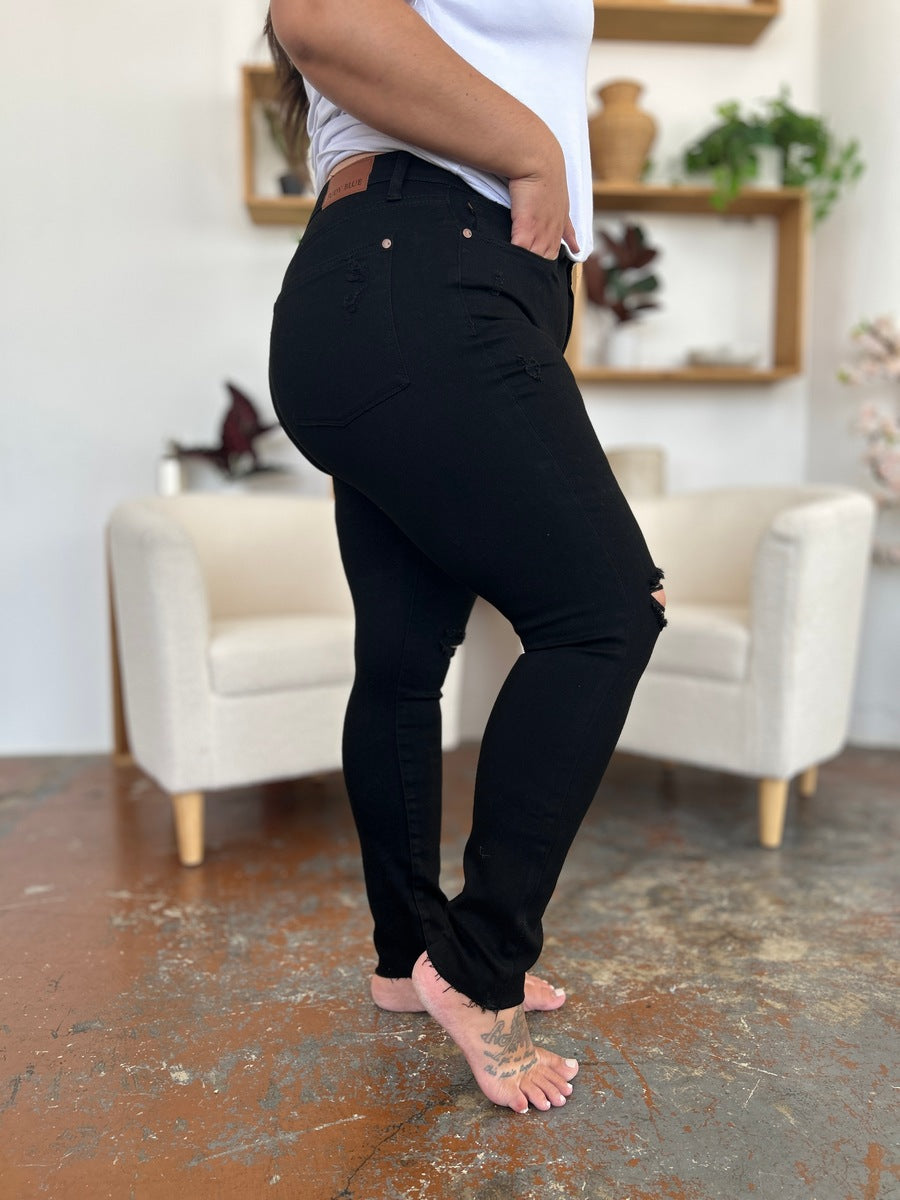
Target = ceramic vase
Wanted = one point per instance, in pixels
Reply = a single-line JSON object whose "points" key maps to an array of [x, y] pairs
{"points": [[621, 133]]}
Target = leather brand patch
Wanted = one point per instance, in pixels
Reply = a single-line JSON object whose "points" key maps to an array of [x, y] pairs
{"points": [[349, 180]]}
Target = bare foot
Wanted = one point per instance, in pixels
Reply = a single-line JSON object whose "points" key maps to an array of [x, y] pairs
{"points": [[399, 995], [507, 1065]]}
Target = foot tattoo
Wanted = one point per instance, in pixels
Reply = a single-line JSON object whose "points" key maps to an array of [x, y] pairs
{"points": [[507, 1065]]}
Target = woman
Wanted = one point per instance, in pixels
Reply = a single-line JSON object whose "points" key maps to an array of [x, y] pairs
{"points": [[417, 358]]}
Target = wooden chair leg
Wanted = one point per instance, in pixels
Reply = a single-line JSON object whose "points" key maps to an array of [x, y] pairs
{"points": [[188, 810], [773, 794], [808, 782]]}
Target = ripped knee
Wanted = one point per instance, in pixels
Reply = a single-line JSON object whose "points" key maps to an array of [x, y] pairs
{"points": [[450, 640], [658, 596]]}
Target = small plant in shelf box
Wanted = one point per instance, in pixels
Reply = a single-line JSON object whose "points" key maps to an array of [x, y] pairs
{"points": [[297, 180], [617, 276], [618, 279]]}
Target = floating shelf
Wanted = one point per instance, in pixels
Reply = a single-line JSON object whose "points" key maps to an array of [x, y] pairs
{"points": [[789, 208], [672, 21], [682, 375], [280, 210], [697, 201]]}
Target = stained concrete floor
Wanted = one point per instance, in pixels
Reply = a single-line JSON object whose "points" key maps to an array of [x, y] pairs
{"points": [[206, 1032]]}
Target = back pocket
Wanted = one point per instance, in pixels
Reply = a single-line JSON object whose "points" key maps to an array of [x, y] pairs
{"points": [[334, 352]]}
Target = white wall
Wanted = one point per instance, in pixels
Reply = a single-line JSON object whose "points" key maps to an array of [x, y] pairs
{"points": [[134, 285], [858, 275]]}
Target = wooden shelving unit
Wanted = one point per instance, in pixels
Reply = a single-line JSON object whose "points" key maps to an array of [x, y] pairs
{"points": [[640, 20], [673, 21], [259, 86], [789, 208]]}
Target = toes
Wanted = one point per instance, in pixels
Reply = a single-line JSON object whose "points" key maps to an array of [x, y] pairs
{"points": [[566, 1068], [543, 1093], [557, 1073], [536, 1096], [547, 1084], [541, 995]]}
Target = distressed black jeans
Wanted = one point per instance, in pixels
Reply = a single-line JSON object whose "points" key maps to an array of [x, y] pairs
{"points": [[417, 357]]}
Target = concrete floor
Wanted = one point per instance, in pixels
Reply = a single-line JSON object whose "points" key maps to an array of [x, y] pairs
{"points": [[207, 1032]]}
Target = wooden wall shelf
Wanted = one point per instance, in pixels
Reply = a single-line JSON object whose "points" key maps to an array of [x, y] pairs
{"points": [[672, 21], [259, 86], [681, 375], [789, 208], [280, 210], [692, 200]]}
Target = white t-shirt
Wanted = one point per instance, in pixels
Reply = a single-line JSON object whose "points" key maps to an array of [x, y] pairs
{"points": [[535, 50]]}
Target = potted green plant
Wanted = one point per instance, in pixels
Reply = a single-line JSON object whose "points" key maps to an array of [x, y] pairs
{"points": [[809, 154], [728, 152]]}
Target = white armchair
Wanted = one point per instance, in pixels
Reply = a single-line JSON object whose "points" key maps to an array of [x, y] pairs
{"points": [[233, 643], [754, 673]]}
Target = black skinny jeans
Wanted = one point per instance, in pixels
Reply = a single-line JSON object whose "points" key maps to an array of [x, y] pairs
{"points": [[417, 357]]}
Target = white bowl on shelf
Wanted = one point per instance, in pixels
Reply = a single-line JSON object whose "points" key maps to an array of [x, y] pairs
{"points": [[723, 356]]}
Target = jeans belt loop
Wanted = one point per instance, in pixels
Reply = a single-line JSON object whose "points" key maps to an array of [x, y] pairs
{"points": [[401, 166]]}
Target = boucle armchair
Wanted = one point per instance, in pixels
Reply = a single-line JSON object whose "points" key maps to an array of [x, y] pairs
{"points": [[754, 673], [233, 641]]}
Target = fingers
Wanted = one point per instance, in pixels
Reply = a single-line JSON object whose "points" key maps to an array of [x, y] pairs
{"points": [[569, 236], [546, 246], [540, 215]]}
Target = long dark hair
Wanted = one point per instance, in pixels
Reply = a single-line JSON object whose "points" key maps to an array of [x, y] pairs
{"points": [[294, 100]]}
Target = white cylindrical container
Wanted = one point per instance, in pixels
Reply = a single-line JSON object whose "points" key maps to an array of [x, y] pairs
{"points": [[169, 478]]}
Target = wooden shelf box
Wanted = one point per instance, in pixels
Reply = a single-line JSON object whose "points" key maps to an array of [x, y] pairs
{"points": [[260, 86], [789, 208]]}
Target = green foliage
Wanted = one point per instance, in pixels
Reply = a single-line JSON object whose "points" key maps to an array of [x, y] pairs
{"points": [[728, 152], [810, 156]]}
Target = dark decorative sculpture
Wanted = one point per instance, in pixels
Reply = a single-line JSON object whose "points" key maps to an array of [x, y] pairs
{"points": [[240, 428]]}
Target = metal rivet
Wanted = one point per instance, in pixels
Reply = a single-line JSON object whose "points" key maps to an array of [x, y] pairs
{"points": [[467, 232], [386, 244]]}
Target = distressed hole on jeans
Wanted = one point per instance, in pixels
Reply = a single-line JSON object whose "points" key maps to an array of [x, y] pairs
{"points": [[497, 283], [531, 367], [655, 584], [356, 271], [351, 300], [451, 639]]}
